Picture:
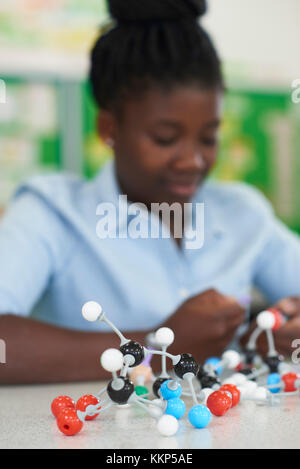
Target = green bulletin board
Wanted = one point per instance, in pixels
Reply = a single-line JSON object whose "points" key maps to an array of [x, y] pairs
{"points": [[30, 140], [96, 152], [260, 145]]}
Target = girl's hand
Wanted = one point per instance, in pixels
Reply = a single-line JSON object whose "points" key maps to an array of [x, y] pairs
{"points": [[289, 306], [286, 334], [205, 324], [290, 331]]}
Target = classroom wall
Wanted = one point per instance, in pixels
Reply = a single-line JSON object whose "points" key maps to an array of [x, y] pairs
{"points": [[44, 61], [261, 33]]}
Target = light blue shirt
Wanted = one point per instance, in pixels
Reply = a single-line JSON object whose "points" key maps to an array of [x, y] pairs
{"points": [[52, 261]]}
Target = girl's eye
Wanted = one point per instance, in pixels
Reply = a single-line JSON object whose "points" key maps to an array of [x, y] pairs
{"points": [[209, 141], [164, 141]]}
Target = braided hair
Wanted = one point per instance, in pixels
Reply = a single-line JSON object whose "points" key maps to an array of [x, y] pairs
{"points": [[152, 43]]}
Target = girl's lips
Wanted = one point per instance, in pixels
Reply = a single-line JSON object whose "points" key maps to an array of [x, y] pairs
{"points": [[182, 189]]}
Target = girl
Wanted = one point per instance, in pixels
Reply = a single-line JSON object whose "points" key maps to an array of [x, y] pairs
{"points": [[157, 79]]}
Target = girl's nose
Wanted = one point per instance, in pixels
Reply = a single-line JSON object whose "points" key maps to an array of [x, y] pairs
{"points": [[192, 161]]}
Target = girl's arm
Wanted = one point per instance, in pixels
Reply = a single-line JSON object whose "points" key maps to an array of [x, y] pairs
{"points": [[41, 353]]}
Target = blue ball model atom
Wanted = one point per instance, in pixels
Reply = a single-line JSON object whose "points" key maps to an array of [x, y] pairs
{"points": [[167, 392], [175, 407], [199, 416], [214, 361], [274, 378]]}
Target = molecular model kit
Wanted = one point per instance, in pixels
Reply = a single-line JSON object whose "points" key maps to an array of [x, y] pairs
{"points": [[214, 386]]}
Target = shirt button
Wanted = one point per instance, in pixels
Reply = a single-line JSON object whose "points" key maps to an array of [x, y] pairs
{"points": [[183, 293]]}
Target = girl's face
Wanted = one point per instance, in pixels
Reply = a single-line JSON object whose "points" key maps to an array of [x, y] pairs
{"points": [[165, 143]]}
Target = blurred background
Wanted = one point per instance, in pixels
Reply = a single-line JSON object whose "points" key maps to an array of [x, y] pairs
{"points": [[47, 122]]}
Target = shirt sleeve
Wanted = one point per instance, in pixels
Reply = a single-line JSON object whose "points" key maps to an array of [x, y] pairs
{"points": [[277, 269], [32, 249]]}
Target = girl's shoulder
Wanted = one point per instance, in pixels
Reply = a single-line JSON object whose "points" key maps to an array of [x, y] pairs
{"points": [[235, 195], [52, 185]]}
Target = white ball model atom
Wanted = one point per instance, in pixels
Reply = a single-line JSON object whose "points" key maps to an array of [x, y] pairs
{"points": [[237, 379], [265, 320], [167, 425], [91, 311], [204, 394], [232, 359], [112, 360], [248, 389], [164, 336], [260, 393]]}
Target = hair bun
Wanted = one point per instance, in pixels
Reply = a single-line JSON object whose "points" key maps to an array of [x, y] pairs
{"points": [[145, 10]]}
